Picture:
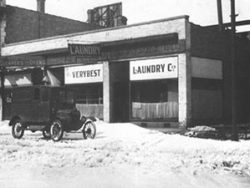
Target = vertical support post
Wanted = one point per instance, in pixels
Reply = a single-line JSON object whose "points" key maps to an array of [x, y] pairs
{"points": [[107, 92], [130, 110], [185, 81], [184, 90], [233, 72], [2, 42], [2, 90]]}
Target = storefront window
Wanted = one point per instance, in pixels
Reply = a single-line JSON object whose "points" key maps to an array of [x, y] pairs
{"points": [[154, 100], [89, 94], [89, 99]]}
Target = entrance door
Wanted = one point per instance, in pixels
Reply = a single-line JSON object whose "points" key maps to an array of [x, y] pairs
{"points": [[121, 102]]}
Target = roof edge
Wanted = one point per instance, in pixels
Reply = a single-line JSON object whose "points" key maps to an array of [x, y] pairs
{"points": [[99, 30]]}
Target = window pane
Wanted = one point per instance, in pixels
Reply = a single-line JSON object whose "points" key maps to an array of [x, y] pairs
{"points": [[152, 100]]}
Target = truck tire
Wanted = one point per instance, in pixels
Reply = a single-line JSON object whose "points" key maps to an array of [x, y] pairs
{"points": [[89, 130], [56, 130], [17, 129]]}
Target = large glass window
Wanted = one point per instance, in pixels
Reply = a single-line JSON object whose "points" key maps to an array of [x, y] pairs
{"points": [[154, 100], [89, 99], [89, 94]]}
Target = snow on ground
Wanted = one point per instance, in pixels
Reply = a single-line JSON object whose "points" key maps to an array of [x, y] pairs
{"points": [[122, 155]]}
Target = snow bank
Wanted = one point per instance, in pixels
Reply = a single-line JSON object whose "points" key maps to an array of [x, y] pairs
{"points": [[122, 155], [4, 124]]}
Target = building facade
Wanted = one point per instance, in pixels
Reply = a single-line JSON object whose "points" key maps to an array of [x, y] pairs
{"points": [[163, 73]]}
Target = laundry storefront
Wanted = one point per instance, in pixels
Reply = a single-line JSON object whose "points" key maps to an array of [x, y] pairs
{"points": [[154, 89], [147, 73], [147, 91], [87, 83]]}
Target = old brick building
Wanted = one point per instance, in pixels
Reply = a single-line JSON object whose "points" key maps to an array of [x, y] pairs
{"points": [[164, 73], [22, 25]]}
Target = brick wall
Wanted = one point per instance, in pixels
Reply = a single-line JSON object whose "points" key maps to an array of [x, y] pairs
{"points": [[208, 42], [243, 78], [23, 24]]}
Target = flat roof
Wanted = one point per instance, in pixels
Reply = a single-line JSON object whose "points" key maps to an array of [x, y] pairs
{"points": [[59, 43]]}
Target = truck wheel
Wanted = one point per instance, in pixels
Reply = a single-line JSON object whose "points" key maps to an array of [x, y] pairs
{"points": [[56, 130], [46, 134], [17, 129], [89, 130]]}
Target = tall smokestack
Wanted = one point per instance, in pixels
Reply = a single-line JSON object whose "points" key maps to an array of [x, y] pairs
{"points": [[41, 6], [2, 3]]}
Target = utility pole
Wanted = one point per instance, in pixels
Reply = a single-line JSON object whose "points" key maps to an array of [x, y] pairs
{"points": [[220, 16], [233, 72]]}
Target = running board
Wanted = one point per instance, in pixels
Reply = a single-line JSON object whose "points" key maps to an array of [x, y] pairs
{"points": [[36, 127]]}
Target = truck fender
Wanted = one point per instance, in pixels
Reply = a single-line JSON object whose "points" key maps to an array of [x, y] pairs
{"points": [[85, 122], [13, 119]]}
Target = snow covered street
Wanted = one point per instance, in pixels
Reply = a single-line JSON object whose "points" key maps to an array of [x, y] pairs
{"points": [[122, 155]]}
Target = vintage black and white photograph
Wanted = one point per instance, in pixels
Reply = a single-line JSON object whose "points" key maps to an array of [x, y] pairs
{"points": [[124, 93]]}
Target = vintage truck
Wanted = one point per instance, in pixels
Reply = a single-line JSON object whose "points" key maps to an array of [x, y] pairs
{"points": [[48, 109]]}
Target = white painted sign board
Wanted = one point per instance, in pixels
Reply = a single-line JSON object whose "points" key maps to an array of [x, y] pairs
{"points": [[151, 69], [84, 74]]}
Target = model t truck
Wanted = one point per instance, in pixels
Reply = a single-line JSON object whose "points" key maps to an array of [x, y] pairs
{"points": [[48, 109]]}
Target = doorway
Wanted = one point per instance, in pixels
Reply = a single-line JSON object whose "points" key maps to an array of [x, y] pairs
{"points": [[121, 102]]}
